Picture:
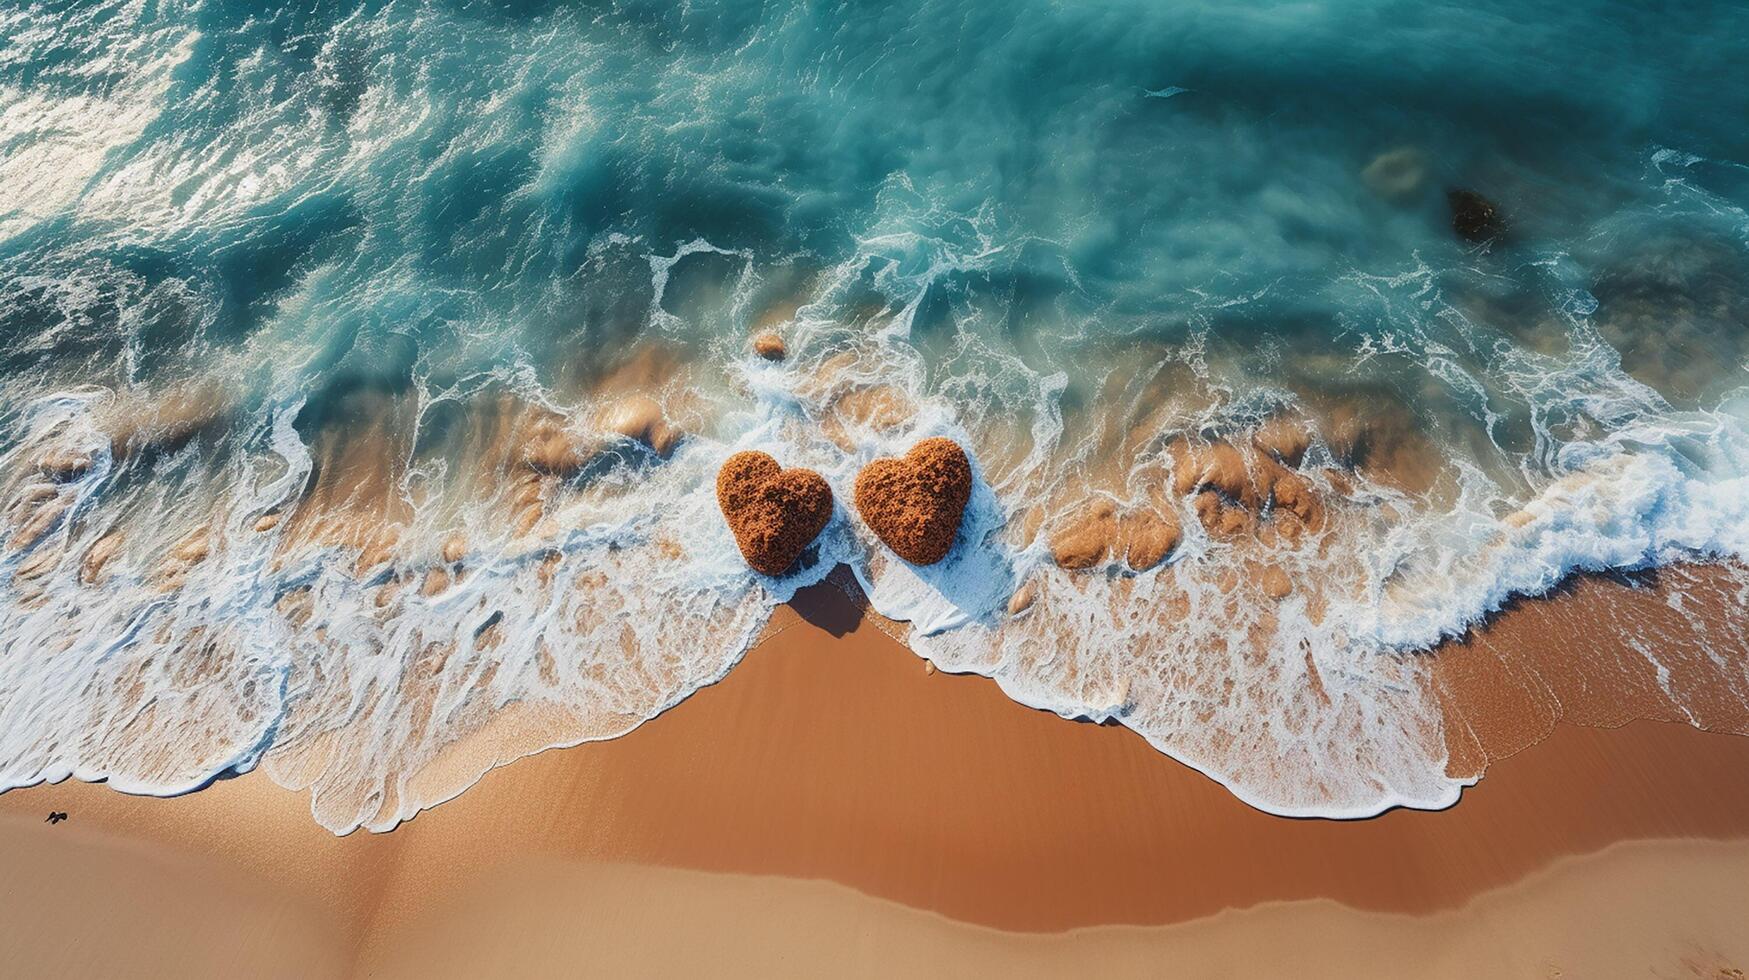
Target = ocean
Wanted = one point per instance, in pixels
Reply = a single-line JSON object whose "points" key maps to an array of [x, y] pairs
{"points": [[365, 368]]}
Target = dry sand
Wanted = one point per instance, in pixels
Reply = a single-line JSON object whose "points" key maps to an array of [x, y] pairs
{"points": [[831, 807]]}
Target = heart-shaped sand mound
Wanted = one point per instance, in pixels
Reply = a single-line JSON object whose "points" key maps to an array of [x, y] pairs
{"points": [[774, 512], [914, 502]]}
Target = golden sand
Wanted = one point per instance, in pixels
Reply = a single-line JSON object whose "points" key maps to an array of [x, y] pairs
{"points": [[832, 781]]}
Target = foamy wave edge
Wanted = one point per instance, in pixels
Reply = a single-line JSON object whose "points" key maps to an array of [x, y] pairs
{"points": [[1645, 496]]}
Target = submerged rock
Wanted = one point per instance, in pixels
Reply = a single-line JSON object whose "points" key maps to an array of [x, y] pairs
{"points": [[167, 423], [64, 465], [549, 448], [436, 580], [1215, 466], [191, 550], [1396, 175], [194, 546], [37, 565], [769, 346], [1022, 599], [376, 548], [914, 502], [527, 502], [1143, 538], [1088, 538], [774, 513], [1292, 494], [99, 555], [881, 408], [36, 512], [454, 547], [1284, 438], [1675, 307], [1474, 217], [1148, 538], [1220, 517], [640, 419]]}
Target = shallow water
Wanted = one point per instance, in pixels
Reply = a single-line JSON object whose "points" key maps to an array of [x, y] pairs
{"points": [[319, 328]]}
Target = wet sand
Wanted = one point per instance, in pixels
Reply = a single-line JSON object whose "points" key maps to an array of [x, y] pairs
{"points": [[830, 770], [1584, 655]]}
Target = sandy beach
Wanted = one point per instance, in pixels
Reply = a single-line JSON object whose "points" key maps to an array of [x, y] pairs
{"points": [[833, 798], [917, 489]]}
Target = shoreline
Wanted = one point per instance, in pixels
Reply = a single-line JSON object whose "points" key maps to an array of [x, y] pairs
{"points": [[1502, 687], [833, 753], [1114, 643]]}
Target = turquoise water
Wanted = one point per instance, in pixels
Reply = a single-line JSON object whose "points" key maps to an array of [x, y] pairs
{"points": [[324, 267]]}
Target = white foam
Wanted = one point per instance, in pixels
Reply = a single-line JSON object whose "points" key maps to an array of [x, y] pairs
{"points": [[1297, 716], [355, 690]]}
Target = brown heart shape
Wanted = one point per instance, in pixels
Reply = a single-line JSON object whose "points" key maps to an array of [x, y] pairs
{"points": [[914, 502], [775, 513]]}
